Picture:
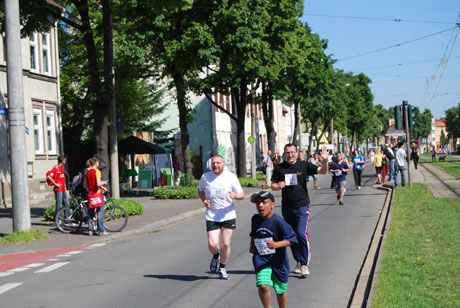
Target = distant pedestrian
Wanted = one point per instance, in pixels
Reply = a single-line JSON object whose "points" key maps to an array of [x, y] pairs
{"points": [[339, 171], [433, 154], [378, 165], [268, 166], [290, 177], [333, 160], [57, 177], [401, 165], [270, 235], [415, 156], [358, 167], [217, 190], [371, 155], [314, 160]]}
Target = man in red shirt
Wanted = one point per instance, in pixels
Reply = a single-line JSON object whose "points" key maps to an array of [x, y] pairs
{"points": [[57, 177]]}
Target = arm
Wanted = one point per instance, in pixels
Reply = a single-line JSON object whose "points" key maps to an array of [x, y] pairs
{"points": [[237, 196], [202, 196], [323, 158], [252, 247], [278, 186], [280, 244], [54, 182]]}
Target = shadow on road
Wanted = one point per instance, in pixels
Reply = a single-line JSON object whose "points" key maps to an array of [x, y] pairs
{"points": [[179, 277]]}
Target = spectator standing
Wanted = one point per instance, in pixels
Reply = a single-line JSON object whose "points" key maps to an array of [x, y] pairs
{"points": [[358, 167], [267, 162], [371, 155], [400, 165], [95, 201], [390, 155], [290, 177], [270, 235], [339, 171], [314, 160], [433, 154], [57, 178], [415, 156], [217, 190], [378, 165]]}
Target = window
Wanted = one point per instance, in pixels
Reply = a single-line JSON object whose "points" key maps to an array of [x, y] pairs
{"points": [[38, 131], [33, 52], [46, 53], [51, 131]]}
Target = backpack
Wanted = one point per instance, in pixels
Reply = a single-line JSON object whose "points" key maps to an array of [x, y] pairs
{"points": [[49, 174], [77, 182]]}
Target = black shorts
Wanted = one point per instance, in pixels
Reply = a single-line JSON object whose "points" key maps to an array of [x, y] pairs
{"points": [[214, 225], [378, 170]]}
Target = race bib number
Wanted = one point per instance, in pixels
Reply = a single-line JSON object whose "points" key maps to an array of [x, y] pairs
{"points": [[262, 247], [218, 193], [338, 173], [291, 179]]}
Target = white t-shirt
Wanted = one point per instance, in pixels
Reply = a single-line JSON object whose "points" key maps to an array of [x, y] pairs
{"points": [[401, 157], [217, 189]]}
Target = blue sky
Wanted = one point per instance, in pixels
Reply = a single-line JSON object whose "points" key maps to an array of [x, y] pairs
{"points": [[413, 71]]}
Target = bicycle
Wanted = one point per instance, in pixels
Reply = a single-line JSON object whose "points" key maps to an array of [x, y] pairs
{"points": [[70, 218]]}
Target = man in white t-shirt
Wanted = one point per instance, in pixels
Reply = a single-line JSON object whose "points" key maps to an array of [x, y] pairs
{"points": [[217, 190], [400, 164]]}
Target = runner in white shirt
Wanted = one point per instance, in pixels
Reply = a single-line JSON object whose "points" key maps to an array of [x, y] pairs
{"points": [[217, 190]]}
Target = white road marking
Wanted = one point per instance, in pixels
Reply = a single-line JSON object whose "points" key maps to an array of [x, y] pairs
{"points": [[8, 286], [76, 252], [54, 259], [60, 256], [98, 245], [4, 274], [19, 269], [34, 265], [52, 267]]}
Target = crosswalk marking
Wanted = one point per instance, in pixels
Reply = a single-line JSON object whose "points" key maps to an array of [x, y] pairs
{"points": [[8, 286], [4, 274], [51, 267], [76, 252], [53, 259]]}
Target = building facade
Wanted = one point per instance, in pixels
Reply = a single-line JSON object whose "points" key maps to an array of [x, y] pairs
{"points": [[40, 62]]}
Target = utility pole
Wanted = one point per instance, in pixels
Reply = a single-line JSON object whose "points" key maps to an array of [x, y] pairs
{"points": [[253, 145], [299, 125], [18, 157], [406, 107]]}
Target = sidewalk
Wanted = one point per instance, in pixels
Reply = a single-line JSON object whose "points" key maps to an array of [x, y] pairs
{"points": [[157, 214]]}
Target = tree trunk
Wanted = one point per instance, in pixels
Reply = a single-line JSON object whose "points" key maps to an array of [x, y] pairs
{"points": [[110, 97], [310, 138], [296, 120], [179, 83], [240, 133], [267, 109]]}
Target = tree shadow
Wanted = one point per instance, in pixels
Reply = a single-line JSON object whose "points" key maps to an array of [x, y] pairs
{"points": [[195, 277]]}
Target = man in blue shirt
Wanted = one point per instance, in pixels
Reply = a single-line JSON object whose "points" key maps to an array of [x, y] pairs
{"points": [[339, 171], [358, 167]]}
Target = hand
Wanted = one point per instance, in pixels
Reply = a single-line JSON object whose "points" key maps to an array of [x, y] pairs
{"points": [[252, 249], [324, 154], [58, 185], [282, 184], [232, 195], [272, 244], [207, 203]]}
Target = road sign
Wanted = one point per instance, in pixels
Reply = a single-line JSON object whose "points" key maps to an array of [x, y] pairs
{"points": [[251, 139]]}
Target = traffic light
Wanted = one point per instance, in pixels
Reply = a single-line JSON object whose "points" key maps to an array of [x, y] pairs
{"points": [[411, 116], [398, 117]]}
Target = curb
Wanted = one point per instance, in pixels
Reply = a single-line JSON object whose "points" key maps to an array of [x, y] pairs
{"points": [[365, 282]]}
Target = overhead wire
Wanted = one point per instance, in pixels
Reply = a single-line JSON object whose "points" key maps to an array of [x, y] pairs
{"points": [[376, 18]]}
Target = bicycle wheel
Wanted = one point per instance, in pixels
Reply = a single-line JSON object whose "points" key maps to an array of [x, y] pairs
{"points": [[115, 217], [68, 219]]}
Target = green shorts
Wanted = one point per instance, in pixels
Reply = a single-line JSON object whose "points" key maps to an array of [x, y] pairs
{"points": [[267, 277]]}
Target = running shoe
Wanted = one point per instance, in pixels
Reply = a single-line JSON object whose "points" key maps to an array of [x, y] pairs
{"points": [[223, 274], [340, 202], [298, 269], [304, 271], [213, 265]]}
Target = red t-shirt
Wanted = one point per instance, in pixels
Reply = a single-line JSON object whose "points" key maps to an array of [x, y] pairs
{"points": [[91, 179], [58, 175]]}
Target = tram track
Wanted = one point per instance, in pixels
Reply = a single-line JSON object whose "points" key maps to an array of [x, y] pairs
{"points": [[447, 177]]}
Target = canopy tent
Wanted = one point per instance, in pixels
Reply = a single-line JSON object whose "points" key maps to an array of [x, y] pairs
{"points": [[134, 145]]}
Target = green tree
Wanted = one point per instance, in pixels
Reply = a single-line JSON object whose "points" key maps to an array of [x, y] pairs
{"points": [[453, 121], [422, 126]]}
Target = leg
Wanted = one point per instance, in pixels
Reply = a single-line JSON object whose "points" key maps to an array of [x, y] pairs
{"points": [[100, 219], [90, 219], [58, 196], [299, 219], [282, 300], [403, 176], [65, 199], [213, 241], [225, 244], [355, 177], [341, 193], [396, 176], [264, 295]]}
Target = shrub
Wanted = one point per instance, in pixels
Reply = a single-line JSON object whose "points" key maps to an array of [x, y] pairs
{"points": [[260, 177], [50, 213], [188, 181], [132, 207], [176, 192], [249, 182]]}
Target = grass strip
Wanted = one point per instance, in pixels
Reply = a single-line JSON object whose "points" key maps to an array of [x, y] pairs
{"points": [[451, 167], [420, 260], [23, 236]]}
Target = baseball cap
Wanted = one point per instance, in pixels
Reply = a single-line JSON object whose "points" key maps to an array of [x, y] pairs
{"points": [[264, 194]]}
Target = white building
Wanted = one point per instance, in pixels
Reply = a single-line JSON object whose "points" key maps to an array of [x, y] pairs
{"points": [[43, 131]]}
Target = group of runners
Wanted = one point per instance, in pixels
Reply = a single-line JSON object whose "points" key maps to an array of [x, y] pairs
{"points": [[270, 234]]}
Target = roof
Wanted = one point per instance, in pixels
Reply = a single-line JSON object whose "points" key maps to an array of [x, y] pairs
{"points": [[134, 145], [440, 123]]}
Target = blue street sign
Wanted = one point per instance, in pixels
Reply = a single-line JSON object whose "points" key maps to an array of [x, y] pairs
{"points": [[3, 111], [27, 130]]}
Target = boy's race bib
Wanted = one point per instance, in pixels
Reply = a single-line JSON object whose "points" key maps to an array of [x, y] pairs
{"points": [[291, 179], [262, 247]]}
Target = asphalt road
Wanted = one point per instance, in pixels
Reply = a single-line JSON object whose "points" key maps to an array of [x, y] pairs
{"points": [[169, 268]]}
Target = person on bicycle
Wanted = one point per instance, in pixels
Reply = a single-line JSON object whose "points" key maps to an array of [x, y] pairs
{"points": [[95, 187]]}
